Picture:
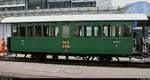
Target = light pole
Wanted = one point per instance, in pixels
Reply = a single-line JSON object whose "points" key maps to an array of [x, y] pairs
{"points": [[4, 16], [4, 3], [3, 31], [4, 25]]}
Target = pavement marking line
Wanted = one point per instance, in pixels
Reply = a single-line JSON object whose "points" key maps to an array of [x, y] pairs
{"points": [[21, 75], [40, 69], [72, 71]]}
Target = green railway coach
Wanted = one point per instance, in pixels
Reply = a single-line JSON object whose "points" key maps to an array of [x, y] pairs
{"points": [[106, 35]]}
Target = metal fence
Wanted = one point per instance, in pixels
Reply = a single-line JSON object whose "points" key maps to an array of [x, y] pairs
{"points": [[12, 2], [55, 11]]}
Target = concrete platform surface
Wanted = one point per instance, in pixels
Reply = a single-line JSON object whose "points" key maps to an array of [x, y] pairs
{"points": [[39, 70]]}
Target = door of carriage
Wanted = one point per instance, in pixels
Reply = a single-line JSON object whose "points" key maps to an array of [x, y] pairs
{"points": [[65, 41]]}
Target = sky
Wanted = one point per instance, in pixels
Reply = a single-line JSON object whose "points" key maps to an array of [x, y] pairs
{"points": [[124, 2]]}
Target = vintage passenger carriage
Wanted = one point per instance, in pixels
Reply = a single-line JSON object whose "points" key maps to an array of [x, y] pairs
{"points": [[99, 35]]}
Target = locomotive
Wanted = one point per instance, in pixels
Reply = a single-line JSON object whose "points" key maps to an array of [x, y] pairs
{"points": [[86, 35]]}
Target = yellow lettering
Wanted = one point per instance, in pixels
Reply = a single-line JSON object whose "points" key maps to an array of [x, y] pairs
{"points": [[64, 42], [67, 42], [67, 46]]}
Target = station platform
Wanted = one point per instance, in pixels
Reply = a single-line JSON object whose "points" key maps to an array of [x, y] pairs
{"points": [[42, 70]]}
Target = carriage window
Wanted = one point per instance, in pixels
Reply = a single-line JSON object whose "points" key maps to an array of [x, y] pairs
{"points": [[35, 30], [112, 31], [105, 31], [122, 31], [79, 30], [89, 31], [126, 31], [97, 30], [51, 31], [38, 31], [29, 31], [15, 31], [22, 31], [84, 30], [66, 31], [117, 31], [56, 31], [45, 30]]}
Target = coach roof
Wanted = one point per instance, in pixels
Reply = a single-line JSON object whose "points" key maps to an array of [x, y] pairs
{"points": [[82, 17]]}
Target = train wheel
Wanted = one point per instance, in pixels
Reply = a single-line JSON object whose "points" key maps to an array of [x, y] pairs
{"points": [[38, 56], [88, 58], [15, 55], [78, 56], [55, 57], [67, 57], [104, 60], [25, 55]]}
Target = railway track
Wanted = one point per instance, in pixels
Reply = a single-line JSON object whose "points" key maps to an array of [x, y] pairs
{"points": [[138, 64]]}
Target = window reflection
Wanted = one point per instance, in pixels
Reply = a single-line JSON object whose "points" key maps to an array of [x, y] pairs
{"points": [[38, 30], [103, 30]]}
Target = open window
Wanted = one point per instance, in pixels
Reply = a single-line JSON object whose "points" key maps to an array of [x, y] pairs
{"points": [[116, 31], [105, 31], [88, 31], [126, 31], [46, 30], [52, 30], [83, 30], [29, 31], [79, 30], [15, 31], [22, 31], [32, 30], [66, 31]]}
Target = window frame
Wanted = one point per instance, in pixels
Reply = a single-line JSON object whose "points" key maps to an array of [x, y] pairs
{"points": [[27, 26], [100, 27]]}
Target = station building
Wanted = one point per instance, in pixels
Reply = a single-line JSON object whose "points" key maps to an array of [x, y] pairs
{"points": [[7, 5], [9, 8]]}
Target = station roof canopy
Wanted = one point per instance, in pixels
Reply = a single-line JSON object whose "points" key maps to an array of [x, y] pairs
{"points": [[85, 17], [141, 7]]}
